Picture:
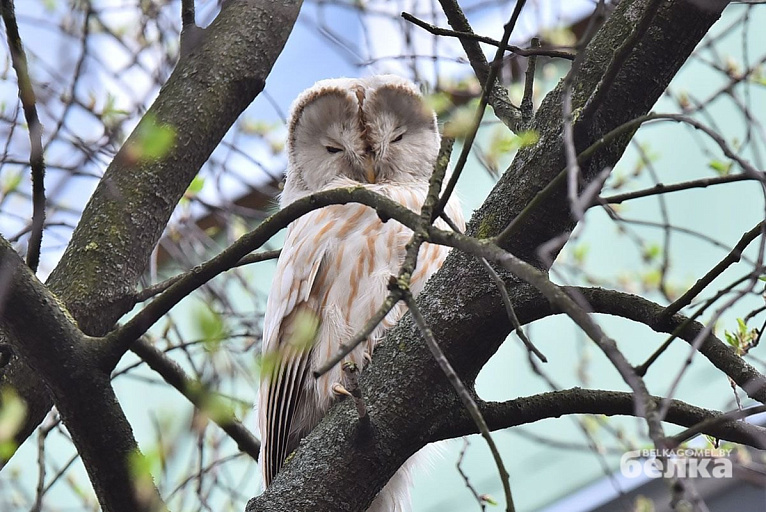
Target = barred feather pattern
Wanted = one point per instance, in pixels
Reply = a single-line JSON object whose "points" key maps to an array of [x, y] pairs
{"points": [[331, 278]]}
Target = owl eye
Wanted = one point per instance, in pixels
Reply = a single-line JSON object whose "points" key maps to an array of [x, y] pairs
{"points": [[333, 149], [398, 138]]}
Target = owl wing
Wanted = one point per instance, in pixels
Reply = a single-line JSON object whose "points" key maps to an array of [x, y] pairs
{"points": [[290, 327]]}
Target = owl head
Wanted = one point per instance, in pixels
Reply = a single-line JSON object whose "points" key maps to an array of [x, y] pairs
{"points": [[372, 130]]}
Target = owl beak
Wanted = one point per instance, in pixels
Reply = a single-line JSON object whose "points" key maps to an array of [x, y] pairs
{"points": [[369, 170]]}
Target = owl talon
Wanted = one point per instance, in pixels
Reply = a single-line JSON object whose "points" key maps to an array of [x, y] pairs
{"points": [[367, 357], [338, 389]]}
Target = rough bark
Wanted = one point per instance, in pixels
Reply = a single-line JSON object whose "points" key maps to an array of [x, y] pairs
{"points": [[57, 350], [131, 206], [341, 467]]}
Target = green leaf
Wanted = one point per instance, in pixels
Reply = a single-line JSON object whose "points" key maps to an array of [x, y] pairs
{"points": [[439, 102], [731, 339], [257, 127], [651, 252], [110, 114], [151, 140], [305, 327], [217, 409], [12, 413], [528, 138], [195, 187], [643, 504], [11, 181], [651, 279], [502, 141], [580, 252], [211, 327], [462, 120], [722, 168], [742, 326], [142, 466]]}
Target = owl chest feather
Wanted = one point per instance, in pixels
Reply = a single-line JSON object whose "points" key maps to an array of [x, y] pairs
{"points": [[339, 259]]}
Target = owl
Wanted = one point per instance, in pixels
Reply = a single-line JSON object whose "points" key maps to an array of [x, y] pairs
{"points": [[332, 275]]}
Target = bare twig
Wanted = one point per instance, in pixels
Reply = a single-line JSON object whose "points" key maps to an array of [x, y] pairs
{"points": [[532, 51], [511, 312], [726, 262], [465, 396], [483, 102], [527, 103], [155, 289], [36, 161], [661, 188], [459, 466], [174, 375]]}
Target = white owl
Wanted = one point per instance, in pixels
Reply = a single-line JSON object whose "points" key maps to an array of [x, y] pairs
{"points": [[336, 261]]}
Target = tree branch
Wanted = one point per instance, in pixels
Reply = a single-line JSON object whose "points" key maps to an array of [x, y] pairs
{"points": [[174, 375], [48, 340], [525, 410], [207, 91], [651, 314], [731, 258], [36, 161], [524, 52], [497, 95], [661, 188]]}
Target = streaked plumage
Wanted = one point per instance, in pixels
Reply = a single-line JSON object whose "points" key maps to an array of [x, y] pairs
{"points": [[336, 261]]}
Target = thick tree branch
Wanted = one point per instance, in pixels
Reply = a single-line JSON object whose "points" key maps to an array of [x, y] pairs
{"points": [[124, 219], [49, 341], [652, 315], [525, 410]]}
